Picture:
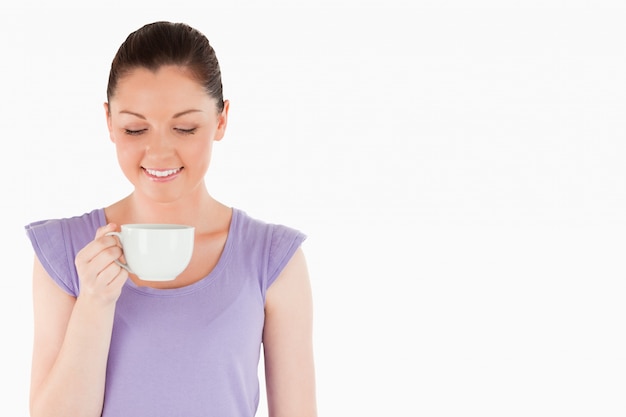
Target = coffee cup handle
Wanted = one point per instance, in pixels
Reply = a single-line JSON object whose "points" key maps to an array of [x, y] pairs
{"points": [[117, 261]]}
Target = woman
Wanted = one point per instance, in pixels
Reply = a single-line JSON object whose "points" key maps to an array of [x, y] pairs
{"points": [[107, 343]]}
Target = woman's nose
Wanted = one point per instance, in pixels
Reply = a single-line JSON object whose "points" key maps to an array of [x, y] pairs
{"points": [[160, 142]]}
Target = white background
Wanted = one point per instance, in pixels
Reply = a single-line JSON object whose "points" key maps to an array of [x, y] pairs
{"points": [[459, 168]]}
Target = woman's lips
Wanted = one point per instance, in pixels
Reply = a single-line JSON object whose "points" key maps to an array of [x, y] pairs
{"points": [[161, 175]]}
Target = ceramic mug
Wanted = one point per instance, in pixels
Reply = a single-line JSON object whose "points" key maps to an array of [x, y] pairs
{"points": [[155, 252]]}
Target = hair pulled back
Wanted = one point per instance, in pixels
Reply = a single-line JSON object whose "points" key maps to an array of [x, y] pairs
{"points": [[166, 43]]}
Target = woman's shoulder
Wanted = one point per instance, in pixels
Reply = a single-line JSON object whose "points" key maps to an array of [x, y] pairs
{"points": [[255, 227], [274, 242], [77, 229], [56, 241], [94, 218]]}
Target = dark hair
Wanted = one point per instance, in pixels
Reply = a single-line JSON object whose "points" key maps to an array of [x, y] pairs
{"points": [[165, 43]]}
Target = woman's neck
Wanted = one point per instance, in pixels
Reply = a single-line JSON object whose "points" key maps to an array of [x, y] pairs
{"points": [[200, 210]]}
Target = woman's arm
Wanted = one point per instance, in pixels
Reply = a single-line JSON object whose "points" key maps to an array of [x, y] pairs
{"points": [[72, 336], [288, 343]]}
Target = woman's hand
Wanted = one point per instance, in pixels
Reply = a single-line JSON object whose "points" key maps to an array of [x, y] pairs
{"points": [[100, 277]]}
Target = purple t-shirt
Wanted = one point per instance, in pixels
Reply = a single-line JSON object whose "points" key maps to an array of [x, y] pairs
{"points": [[190, 351]]}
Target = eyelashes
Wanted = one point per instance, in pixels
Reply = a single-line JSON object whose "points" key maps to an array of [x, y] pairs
{"points": [[138, 132], [186, 131], [134, 132]]}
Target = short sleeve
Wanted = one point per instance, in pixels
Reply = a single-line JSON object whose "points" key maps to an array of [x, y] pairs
{"points": [[56, 243], [284, 242]]}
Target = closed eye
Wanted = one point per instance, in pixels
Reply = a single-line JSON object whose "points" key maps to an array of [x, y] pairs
{"points": [[134, 132], [186, 131]]}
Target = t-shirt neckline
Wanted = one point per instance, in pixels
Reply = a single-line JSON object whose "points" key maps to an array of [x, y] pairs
{"points": [[196, 286]]}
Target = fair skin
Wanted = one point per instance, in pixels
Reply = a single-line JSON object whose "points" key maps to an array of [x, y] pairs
{"points": [[163, 125]]}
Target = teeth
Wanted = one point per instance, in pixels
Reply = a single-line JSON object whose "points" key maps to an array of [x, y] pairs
{"points": [[166, 173]]}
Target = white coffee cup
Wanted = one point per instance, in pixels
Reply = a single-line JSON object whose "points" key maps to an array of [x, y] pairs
{"points": [[156, 252]]}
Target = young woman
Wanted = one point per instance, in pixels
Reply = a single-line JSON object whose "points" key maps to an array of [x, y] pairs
{"points": [[107, 343]]}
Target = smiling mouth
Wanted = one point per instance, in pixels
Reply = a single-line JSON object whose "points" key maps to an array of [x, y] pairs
{"points": [[162, 173]]}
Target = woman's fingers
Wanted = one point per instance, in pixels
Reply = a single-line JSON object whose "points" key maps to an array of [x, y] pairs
{"points": [[111, 273], [111, 227], [106, 257], [118, 280], [100, 242], [96, 266]]}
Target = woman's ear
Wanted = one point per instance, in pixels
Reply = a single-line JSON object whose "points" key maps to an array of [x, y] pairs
{"points": [[222, 121], [107, 114]]}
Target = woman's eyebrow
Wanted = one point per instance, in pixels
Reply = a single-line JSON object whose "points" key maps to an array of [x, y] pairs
{"points": [[182, 113], [132, 114]]}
